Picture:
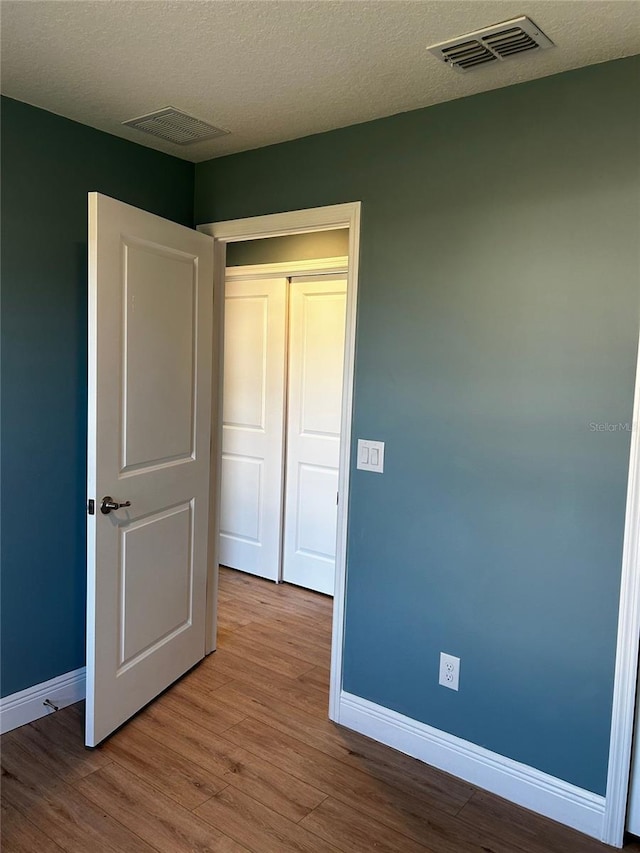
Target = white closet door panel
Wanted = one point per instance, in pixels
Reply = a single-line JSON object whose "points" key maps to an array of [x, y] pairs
{"points": [[317, 489], [246, 340], [316, 358], [253, 425]]}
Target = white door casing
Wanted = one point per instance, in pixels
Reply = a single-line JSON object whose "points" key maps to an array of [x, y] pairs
{"points": [[252, 425], [623, 790], [633, 805], [150, 366], [316, 363]]}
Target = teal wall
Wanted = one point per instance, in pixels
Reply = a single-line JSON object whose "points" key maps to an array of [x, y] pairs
{"points": [[294, 247], [48, 166], [497, 321]]}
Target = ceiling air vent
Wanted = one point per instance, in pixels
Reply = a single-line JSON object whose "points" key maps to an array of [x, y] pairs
{"points": [[501, 41], [173, 126]]}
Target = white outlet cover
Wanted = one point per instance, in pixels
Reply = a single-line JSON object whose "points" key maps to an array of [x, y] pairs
{"points": [[449, 671], [370, 455]]}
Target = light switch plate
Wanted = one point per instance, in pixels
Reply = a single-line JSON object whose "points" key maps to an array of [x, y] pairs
{"points": [[370, 455]]}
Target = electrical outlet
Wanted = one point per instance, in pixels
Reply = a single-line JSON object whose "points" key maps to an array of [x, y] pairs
{"points": [[449, 671]]}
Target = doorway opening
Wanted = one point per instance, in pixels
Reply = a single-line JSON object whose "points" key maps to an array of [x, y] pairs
{"points": [[344, 217], [283, 366]]}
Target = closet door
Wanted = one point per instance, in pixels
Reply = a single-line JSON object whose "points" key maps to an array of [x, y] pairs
{"points": [[316, 355], [253, 426]]}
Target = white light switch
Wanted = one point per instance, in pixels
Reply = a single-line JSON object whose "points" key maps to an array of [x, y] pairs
{"points": [[370, 455]]}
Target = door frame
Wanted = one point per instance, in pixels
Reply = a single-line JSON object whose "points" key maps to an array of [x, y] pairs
{"points": [[314, 267], [626, 664], [330, 218], [289, 269]]}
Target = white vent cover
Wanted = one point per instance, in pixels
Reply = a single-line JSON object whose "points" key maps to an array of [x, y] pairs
{"points": [[501, 41], [174, 126]]}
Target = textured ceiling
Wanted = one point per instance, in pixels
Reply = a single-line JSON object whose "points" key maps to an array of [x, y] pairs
{"points": [[273, 70]]}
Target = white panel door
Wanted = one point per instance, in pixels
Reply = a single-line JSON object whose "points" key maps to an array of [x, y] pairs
{"points": [[253, 426], [150, 361], [316, 356]]}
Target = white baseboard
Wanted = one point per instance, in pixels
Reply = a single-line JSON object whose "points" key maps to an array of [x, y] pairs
{"points": [[516, 782], [28, 705]]}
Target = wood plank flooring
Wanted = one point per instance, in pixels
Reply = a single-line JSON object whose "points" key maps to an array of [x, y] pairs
{"points": [[239, 756]]}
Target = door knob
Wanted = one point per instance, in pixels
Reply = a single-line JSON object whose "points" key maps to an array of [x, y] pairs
{"points": [[108, 504]]}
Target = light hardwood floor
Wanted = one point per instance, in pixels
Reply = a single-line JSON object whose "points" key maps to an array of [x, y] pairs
{"points": [[239, 756]]}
